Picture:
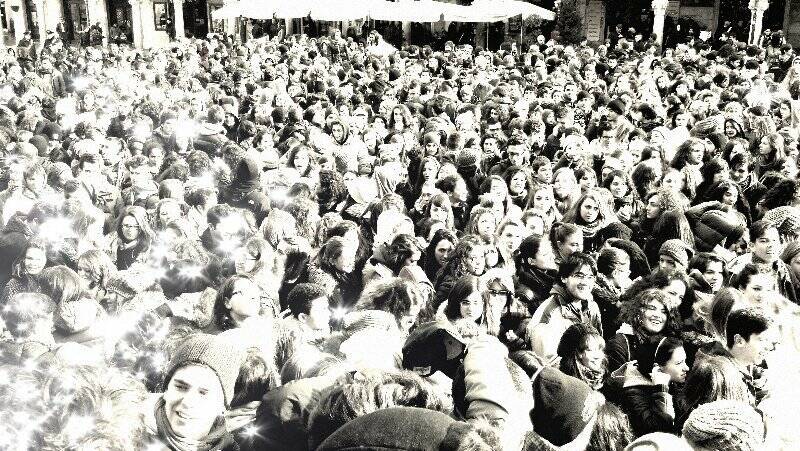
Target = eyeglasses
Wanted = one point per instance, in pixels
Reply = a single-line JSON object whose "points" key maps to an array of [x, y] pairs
{"points": [[499, 292], [581, 276], [130, 226]]}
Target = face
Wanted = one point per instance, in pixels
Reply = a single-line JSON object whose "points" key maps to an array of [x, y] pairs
{"points": [[438, 213], [594, 356], [653, 207], [347, 260], [475, 262], [618, 188], [517, 183], [696, 154], [471, 308], [430, 171], [193, 400], [245, 262], [714, 275], [580, 283], [739, 173], [730, 130], [319, 315], [301, 160], [130, 228], [676, 290], [676, 366], [337, 131], [673, 180], [755, 349], [764, 146], [759, 287], [795, 264], [442, 251], [590, 210], [498, 188], [562, 184], [768, 246], [245, 300], [668, 263], [168, 212], [545, 173], [653, 316], [460, 192], [543, 200], [511, 238], [35, 261], [535, 224], [486, 225], [573, 243]]}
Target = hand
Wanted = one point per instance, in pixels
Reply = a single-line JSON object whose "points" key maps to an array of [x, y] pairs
{"points": [[659, 377]]}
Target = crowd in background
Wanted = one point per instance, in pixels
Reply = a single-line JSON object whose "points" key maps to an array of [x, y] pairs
{"points": [[319, 243]]}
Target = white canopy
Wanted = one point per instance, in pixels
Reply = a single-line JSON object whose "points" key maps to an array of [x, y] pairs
{"points": [[403, 11]]}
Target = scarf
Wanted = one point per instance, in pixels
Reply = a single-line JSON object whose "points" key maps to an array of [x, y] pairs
{"points": [[217, 439]]}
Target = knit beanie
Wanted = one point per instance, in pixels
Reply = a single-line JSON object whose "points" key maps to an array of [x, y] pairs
{"points": [[659, 440], [786, 218], [431, 345], [716, 228], [468, 157], [677, 250], [725, 425], [617, 106], [563, 406], [222, 356], [790, 252], [76, 316]]}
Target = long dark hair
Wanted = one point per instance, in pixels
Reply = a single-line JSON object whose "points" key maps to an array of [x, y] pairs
{"points": [[222, 314]]}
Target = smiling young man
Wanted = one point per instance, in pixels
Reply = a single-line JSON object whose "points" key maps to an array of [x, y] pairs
{"points": [[198, 388], [571, 300]]}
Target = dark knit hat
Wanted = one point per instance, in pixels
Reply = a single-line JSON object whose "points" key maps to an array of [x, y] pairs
{"points": [[725, 425], [428, 345], [563, 406], [617, 106], [468, 157], [716, 228], [640, 267], [677, 250], [222, 356], [399, 428]]}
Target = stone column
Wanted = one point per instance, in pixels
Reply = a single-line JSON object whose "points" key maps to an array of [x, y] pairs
{"points": [[659, 11], [18, 17], [136, 22], [180, 28], [757, 8], [41, 24], [289, 26]]}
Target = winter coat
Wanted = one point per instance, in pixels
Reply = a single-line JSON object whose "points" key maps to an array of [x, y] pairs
{"points": [[210, 138], [533, 285], [561, 307], [13, 240], [649, 406]]}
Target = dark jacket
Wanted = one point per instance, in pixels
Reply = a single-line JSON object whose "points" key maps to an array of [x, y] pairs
{"points": [[649, 406], [13, 240], [532, 285], [210, 138]]}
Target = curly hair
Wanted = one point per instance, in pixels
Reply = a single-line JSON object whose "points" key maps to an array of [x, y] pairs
{"points": [[631, 312]]}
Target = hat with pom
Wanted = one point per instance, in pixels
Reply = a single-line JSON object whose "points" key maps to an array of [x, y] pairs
{"points": [[725, 425], [714, 228], [220, 355], [468, 157]]}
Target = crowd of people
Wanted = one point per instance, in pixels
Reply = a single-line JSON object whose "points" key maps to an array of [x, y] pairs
{"points": [[319, 244]]}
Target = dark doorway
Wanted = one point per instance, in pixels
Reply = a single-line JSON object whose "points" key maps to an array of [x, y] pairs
{"points": [[195, 18], [120, 27]]}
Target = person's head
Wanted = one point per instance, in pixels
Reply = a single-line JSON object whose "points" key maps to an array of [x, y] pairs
{"points": [[238, 298], [465, 300], [714, 378], [61, 284], [615, 264], [582, 352], [338, 255], [469, 256], [199, 385], [95, 267], [397, 296], [566, 239], [674, 255], [725, 426], [618, 183], [29, 315], [32, 260], [543, 198], [612, 429], [308, 302], [167, 211], [712, 267], [440, 246], [565, 184], [748, 337], [650, 313], [756, 282], [577, 273], [134, 226], [665, 354], [257, 376], [765, 241]]}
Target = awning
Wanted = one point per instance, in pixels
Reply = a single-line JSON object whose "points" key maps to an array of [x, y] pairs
{"points": [[402, 11], [229, 11], [511, 8], [340, 10]]}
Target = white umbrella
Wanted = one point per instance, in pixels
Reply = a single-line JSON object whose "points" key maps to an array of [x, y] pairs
{"points": [[229, 11], [404, 11], [511, 8], [339, 10]]}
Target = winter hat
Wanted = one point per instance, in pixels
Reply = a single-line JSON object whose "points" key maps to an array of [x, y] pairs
{"points": [[399, 428], [677, 250], [617, 106], [222, 356], [77, 316], [431, 345], [659, 441], [725, 425], [563, 406], [716, 228], [468, 157], [790, 251], [786, 218]]}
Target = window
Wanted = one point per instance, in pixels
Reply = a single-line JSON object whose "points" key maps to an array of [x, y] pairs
{"points": [[161, 15]]}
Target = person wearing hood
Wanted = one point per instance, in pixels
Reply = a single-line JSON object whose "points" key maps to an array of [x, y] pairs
{"points": [[390, 258], [571, 300], [245, 192], [536, 271], [211, 134]]}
